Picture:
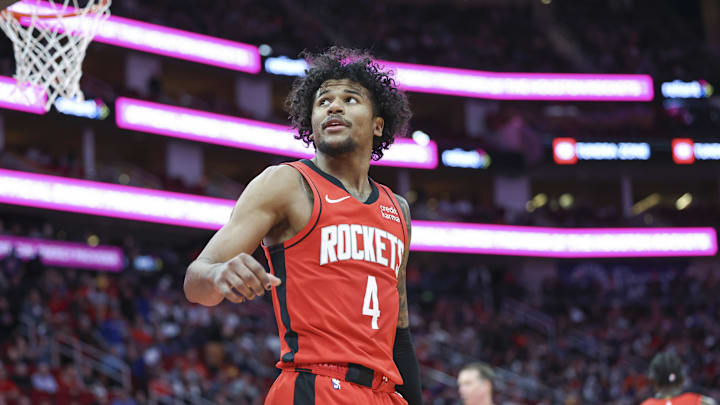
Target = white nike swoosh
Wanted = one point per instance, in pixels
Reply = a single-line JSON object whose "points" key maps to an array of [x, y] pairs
{"points": [[331, 201]]}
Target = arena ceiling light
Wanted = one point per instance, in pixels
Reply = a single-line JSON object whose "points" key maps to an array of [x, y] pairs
{"points": [[248, 134], [64, 254], [26, 98], [82, 196], [151, 38]]}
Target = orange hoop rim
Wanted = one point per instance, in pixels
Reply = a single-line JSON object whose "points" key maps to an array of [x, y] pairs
{"points": [[76, 13]]}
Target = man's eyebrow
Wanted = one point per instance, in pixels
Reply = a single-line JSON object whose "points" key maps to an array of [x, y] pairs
{"points": [[351, 91], [354, 92]]}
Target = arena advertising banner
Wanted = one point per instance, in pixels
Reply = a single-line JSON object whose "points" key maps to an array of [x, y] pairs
{"points": [[622, 276], [111, 200], [685, 151], [63, 254], [568, 151]]}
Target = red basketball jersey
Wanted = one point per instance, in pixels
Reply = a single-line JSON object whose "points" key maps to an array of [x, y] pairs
{"points": [[688, 398], [338, 302]]}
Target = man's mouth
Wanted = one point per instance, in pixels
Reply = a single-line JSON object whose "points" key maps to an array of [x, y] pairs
{"points": [[335, 123]]}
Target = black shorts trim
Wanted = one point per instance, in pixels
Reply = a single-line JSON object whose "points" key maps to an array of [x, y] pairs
{"points": [[304, 389]]}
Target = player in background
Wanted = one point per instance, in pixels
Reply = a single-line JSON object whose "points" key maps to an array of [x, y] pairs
{"points": [[666, 376], [337, 243], [475, 384]]}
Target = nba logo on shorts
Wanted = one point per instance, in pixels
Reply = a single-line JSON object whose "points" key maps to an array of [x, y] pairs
{"points": [[336, 384]]}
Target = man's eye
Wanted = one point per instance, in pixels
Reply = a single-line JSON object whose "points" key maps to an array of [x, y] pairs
{"points": [[351, 99], [324, 102]]}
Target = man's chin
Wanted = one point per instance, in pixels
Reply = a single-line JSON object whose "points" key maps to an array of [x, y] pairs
{"points": [[336, 148]]}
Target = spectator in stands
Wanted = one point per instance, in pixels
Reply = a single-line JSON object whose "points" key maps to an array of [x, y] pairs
{"points": [[20, 377], [8, 389], [43, 381], [475, 383]]}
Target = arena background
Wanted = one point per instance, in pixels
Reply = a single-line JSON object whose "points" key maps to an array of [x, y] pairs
{"points": [[93, 256]]}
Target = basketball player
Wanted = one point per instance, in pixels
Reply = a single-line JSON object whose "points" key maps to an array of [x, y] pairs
{"points": [[666, 376], [475, 384], [337, 243]]}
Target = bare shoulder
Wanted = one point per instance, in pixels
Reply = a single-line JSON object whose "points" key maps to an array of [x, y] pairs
{"points": [[280, 175], [276, 185]]}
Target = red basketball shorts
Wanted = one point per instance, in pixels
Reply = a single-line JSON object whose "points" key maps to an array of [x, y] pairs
{"points": [[307, 388]]}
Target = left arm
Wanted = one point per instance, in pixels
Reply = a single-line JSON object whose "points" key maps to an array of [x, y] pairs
{"points": [[403, 350]]}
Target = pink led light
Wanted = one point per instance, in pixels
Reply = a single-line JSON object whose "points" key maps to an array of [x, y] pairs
{"points": [[65, 254], [160, 40], [21, 98], [521, 86], [94, 198], [562, 243], [248, 134], [89, 197]]}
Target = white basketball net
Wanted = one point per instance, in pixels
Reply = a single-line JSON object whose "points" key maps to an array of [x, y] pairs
{"points": [[50, 40]]}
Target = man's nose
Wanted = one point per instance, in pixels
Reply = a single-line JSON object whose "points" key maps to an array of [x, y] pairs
{"points": [[336, 107]]}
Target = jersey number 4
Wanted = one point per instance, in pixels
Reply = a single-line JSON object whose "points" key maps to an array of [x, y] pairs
{"points": [[370, 303]]}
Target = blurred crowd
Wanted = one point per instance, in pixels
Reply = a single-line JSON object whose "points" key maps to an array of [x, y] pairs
{"points": [[658, 38], [647, 36], [585, 334]]}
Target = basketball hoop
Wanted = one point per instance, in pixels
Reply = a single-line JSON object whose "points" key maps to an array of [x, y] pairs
{"points": [[50, 40]]}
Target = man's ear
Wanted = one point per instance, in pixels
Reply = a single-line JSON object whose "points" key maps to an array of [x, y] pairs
{"points": [[378, 125]]}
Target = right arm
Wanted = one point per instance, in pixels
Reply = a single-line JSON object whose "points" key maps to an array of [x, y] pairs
{"points": [[225, 267]]}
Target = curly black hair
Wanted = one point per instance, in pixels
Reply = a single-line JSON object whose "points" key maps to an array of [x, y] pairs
{"points": [[342, 63]]}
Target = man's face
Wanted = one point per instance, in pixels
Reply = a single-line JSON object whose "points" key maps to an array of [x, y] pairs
{"points": [[473, 389], [342, 118]]}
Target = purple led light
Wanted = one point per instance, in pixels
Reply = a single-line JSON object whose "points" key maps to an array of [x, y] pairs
{"points": [[521, 86], [65, 254], [159, 40], [562, 243], [89, 197], [21, 98], [248, 134]]}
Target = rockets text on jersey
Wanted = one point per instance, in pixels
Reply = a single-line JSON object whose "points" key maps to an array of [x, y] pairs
{"points": [[360, 242]]}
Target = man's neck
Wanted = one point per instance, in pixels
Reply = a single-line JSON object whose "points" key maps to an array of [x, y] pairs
{"points": [[351, 170], [668, 392]]}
